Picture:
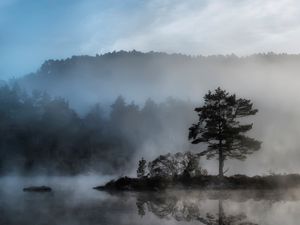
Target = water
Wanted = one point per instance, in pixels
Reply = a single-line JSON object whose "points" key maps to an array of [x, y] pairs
{"points": [[74, 202]]}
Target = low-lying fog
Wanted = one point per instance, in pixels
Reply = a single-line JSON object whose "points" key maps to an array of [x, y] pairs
{"points": [[74, 202], [271, 82]]}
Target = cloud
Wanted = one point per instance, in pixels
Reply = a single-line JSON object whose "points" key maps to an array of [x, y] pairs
{"points": [[193, 27], [217, 27]]}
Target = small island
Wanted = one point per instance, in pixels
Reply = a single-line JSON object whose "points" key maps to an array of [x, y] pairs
{"points": [[175, 172], [220, 127]]}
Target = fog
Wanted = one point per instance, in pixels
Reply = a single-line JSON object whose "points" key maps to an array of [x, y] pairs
{"points": [[271, 81], [72, 201], [81, 108]]}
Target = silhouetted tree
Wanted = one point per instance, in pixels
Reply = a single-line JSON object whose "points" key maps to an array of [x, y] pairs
{"points": [[141, 171], [178, 164], [219, 126], [193, 167]]}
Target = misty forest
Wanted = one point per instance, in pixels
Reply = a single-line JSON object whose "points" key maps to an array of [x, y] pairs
{"points": [[144, 135], [62, 120], [149, 112], [43, 134]]}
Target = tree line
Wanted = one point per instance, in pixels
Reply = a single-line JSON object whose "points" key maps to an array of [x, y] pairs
{"points": [[40, 133], [43, 134]]}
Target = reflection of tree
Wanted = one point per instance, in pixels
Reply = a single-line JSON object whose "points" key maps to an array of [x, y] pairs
{"points": [[186, 210], [222, 219], [141, 208]]}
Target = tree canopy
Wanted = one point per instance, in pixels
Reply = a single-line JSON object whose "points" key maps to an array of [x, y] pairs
{"points": [[219, 125], [44, 134]]}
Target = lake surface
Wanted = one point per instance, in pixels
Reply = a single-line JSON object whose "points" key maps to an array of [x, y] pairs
{"points": [[74, 202]]}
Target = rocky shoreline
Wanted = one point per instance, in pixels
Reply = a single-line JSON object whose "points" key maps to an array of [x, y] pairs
{"points": [[203, 182]]}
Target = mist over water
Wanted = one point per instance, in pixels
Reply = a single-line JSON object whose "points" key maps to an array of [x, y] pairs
{"points": [[151, 116], [73, 201], [88, 110], [159, 93]]}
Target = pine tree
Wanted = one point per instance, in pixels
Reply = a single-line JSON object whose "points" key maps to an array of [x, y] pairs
{"points": [[219, 126], [141, 171]]}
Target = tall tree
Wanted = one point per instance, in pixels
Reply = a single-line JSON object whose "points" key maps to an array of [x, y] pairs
{"points": [[219, 126]]}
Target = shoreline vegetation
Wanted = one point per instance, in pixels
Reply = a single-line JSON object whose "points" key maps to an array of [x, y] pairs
{"points": [[203, 182], [219, 127]]}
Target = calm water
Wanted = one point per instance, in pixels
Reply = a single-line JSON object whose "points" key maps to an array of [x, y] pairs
{"points": [[73, 202]]}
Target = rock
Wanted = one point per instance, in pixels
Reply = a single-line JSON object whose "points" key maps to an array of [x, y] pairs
{"points": [[37, 189]]}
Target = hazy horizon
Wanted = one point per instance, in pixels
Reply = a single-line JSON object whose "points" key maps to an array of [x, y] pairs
{"points": [[35, 31], [149, 112], [269, 80]]}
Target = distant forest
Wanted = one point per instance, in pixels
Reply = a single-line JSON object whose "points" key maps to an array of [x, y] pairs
{"points": [[41, 134], [69, 116], [85, 80]]}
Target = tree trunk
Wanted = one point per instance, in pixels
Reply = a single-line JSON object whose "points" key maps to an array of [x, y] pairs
{"points": [[221, 162]]}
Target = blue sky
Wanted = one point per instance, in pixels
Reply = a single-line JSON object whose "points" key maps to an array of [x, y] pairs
{"points": [[32, 31]]}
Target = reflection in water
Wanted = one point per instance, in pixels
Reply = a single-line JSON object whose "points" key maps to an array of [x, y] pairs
{"points": [[187, 210], [74, 202]]}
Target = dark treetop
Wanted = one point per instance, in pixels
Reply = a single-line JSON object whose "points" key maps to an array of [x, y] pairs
{"points": [[219, 126]]}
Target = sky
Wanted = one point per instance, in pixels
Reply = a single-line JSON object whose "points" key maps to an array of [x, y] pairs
{"points": [[32, 31]]}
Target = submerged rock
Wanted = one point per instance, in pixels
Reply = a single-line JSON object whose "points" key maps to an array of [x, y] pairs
{"points": [[37, 189]]}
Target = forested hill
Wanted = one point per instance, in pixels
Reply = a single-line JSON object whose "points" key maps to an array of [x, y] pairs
{"points": [[84, 80], [66, 131]]}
